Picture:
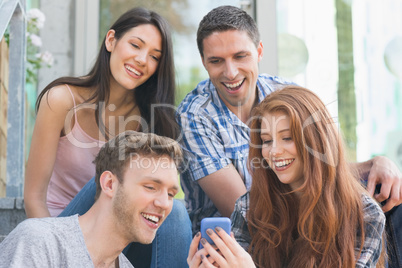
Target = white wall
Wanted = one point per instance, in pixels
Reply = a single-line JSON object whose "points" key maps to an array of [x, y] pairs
{"points": [[71, 35], [57, 37]]}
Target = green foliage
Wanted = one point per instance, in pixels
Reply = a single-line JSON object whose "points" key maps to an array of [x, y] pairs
{"points": [[183, 88], [34, 58]]}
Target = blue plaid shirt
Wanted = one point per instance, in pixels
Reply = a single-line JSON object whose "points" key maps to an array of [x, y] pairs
{"points": [[374, 221], [213, 137]]}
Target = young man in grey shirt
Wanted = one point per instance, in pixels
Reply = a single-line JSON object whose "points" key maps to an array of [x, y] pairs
{"points": [[136, 178]]}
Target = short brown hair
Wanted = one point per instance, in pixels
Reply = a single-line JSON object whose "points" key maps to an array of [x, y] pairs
{"points": [[226, 18], [115, 154]]}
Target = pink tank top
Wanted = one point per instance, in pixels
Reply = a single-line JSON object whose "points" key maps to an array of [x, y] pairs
{"points": [[73, 167]]}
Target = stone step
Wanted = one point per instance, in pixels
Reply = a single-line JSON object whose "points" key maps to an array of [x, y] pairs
{"points": [[12, 212]]}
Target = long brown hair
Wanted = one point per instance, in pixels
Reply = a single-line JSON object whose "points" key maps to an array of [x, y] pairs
{"points": [[155, 98], [318, 227]]}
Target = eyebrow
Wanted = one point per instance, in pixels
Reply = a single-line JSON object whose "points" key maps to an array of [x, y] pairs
{"points": [[139, 38], [213, 58], [158, 181], [280, 131], [237, 53], [284, 130]]}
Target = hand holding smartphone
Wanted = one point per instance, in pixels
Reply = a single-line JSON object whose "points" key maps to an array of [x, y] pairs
{"points": [[211, 223]]}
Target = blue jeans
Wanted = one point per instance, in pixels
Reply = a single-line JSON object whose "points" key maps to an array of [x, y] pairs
{"points": [[172, 241]]}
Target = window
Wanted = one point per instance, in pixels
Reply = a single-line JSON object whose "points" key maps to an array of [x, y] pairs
{"points": [[319, 48]]}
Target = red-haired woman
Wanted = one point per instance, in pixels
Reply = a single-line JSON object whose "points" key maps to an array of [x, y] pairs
{"points": [[305, 208]]}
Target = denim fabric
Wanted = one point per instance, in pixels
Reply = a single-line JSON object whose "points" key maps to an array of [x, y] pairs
{"points": [[172, 241]]}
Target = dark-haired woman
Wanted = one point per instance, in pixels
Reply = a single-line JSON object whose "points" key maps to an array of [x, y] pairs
{"points": [[130, 87]]}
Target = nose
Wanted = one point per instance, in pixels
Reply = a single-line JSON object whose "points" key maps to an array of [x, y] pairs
{"points": [[162, 201], [230, 70], [141, 57], [276, 149]]}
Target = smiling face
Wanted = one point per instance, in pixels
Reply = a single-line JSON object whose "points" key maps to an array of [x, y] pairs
{"points": [[145, 198], [231, 60], [134, 58], [279, 149]]}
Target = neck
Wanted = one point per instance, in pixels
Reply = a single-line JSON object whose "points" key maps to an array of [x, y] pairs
{"points": [[119, 96], [104, 244], [243, 112]]}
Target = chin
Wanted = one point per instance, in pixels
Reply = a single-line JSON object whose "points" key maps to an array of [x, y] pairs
{"points": [[147, 241], [146, 238]]}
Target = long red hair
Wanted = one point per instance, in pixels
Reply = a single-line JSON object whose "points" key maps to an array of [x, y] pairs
{"points": [[318, 227]]}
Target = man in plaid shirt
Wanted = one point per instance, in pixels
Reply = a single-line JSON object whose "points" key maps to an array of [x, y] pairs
{"points": [[214, 117]]}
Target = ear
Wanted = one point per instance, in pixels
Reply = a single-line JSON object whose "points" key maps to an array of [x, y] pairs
{"points": [[108, 183], [260, 51], [110, 40]]}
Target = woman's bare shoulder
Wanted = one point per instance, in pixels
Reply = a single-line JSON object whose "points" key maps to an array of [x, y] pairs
{"points": [[64, 96]]}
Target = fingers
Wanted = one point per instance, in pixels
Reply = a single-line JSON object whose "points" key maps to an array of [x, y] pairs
{"points": [[207, 262], [371, 183], [229, 240], [213, 253], [197, 258], [386, 173], [227, 247], [194, 259], [394, 199], [229, 254], [234, 255], [194, 245], [391, 202], [385, 191]]}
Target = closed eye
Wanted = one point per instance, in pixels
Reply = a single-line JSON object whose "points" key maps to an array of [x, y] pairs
{"points": [[267, 142], [149, 187], [155, 58], [214, 60], [134, 45]]}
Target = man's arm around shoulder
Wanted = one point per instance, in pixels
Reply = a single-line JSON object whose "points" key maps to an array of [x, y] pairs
{"points": [[382, 170]]}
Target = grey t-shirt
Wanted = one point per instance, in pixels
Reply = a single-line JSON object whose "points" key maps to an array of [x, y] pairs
{"points": [[48, 242]]}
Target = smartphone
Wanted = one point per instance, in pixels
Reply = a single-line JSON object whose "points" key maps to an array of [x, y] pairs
{"points": [[211, 223]]}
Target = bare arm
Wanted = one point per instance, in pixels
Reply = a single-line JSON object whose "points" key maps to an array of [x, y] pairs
{"points": [[223, 187], [48, 125], [382, 170]]}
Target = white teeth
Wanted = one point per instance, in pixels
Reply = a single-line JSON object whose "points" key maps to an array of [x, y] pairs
{"points": [[233, 85], [132, 70], [283, 163], [150, 217]]}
